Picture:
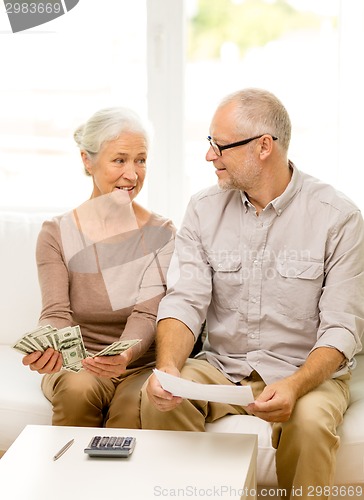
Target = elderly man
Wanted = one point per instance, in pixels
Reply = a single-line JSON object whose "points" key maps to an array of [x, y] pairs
{"points": [[273, 259]]}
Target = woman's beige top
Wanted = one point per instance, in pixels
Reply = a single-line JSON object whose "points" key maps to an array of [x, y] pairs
{"points": [[110, 285]]}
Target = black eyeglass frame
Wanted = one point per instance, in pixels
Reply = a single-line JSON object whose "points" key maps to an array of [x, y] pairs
{"points": [[235, 144]]}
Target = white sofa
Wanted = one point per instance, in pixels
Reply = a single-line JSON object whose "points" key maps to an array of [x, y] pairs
{"points": [[21, 399]]}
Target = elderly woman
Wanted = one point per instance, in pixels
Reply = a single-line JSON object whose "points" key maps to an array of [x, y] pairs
{"points": [[102, 266]]}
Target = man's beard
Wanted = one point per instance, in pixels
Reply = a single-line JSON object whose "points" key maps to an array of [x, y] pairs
{"points": [[226, 185], [241, 182], [230, 183]]}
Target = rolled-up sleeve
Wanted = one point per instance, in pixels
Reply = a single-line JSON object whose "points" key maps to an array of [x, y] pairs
{"points": [[342, 301]]}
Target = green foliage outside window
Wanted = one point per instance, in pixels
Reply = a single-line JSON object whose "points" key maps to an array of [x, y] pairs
{"points": [[245, 23]]}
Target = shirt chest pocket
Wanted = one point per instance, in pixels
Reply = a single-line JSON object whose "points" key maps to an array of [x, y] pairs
{"points": [[299, 286], [226, 280]]}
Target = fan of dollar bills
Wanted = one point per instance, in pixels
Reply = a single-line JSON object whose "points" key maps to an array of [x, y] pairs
{"points": [[68, 341]]}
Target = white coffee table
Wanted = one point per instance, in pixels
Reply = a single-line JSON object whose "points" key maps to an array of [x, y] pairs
{"points": [[164, 464]]}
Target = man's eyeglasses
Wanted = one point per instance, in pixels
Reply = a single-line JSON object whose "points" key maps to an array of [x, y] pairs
{"points": [[219, 149]]}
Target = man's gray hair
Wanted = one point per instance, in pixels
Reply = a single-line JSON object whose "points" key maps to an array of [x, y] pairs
{"points": [[260, 112]]}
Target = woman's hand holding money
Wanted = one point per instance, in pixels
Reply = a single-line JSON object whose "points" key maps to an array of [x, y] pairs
{"points": [[49, 361], [108, 366]]}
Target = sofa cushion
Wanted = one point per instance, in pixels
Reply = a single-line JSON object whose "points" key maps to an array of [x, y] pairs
{"points": [[21, 399]]}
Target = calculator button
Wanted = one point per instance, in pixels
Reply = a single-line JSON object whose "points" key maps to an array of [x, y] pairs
{"points": [[127, 442], [119, 442], [111, 442], [95, 441], [104, 441]]}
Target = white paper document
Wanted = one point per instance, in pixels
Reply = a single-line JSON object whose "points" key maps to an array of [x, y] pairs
{"points": [[231, 394]]}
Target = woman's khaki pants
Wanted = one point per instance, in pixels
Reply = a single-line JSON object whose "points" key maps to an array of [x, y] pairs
{"points": [[83, 400], [306, 445]]}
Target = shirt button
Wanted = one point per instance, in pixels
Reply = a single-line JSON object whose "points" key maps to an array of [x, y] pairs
{"points": [[279, 212], [254, 300], [252, 336]]}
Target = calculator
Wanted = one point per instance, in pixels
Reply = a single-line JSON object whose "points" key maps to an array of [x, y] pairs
{"points": [[110, 446]]}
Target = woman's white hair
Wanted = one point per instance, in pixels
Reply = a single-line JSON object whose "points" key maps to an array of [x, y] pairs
{"points": [[105, 125]]}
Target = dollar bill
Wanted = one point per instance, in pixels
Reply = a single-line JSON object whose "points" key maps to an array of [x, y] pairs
{"points": [[41, 337], [23, 347], [117, 347], [69, 342], [34, 340]]}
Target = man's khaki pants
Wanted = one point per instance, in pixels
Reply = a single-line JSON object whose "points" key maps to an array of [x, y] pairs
{"points": [[306, 445]]}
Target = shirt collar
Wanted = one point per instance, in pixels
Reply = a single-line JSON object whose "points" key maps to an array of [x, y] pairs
{"points": [[282, 201], [294, 186], [245, 201]]}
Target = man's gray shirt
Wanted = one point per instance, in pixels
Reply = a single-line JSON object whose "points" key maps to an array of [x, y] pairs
{"points": [[273, 287]]}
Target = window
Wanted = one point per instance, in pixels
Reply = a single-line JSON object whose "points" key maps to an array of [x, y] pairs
{"points": [[151, 56], [53, 78], [305, 53]]}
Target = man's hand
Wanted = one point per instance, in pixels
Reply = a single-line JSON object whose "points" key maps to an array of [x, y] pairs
{"points": [[108, 366], [162, 400], [175, 342], [276, 402], [49, 361]]}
